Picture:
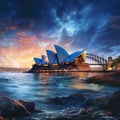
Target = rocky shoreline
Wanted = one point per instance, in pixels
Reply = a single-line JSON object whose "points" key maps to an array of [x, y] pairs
{"points": [[92, 108], [85, 105], [11, 109], [106, 78], [75, 107]]}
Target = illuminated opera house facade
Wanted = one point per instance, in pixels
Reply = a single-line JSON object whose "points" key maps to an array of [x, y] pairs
{"points": [[59, 61]]}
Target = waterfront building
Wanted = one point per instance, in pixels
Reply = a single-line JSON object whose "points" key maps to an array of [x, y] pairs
{"points": [[60, 60], [60, 57]]}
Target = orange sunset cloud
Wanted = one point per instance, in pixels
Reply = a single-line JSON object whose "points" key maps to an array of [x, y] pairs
{"points": [[21, 53]]}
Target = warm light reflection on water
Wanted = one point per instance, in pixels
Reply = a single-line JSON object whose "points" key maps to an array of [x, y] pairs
{"points": [[74, 80]]}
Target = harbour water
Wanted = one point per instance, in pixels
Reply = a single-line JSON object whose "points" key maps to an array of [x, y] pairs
{"points": [[40, 87]]}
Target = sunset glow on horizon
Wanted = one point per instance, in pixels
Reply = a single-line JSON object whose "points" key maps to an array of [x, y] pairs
{"points": [[22, 48]]}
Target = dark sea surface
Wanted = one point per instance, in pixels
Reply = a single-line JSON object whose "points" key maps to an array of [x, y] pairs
{"points": [[40, 87]]}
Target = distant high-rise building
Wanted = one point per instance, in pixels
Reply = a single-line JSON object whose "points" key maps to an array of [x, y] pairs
{"points": [[110, 60]]}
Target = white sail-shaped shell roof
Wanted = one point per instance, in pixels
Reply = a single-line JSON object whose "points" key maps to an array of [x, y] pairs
{"points": [[73, 56], [61, 56], [37, 60], [43, 59], [61, 53], [52, 57]]}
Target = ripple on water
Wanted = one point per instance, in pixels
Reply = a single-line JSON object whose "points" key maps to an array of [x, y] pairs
{"points": [[40, 87]]}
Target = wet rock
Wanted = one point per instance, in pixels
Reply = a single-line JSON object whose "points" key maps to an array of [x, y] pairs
{"points": [[113, 102], [1, 118], [106, 78], [4, 118], [10, 108], [30, 106], [106, 106], [59, 118], [110, 102], [103, 115], [71, 100], [106, 118]]}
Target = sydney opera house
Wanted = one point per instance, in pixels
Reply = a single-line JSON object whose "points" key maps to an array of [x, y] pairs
{"points": [[60, 60]]}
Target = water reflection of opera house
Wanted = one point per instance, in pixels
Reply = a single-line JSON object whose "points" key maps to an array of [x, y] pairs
{"points": [[60, 61]]}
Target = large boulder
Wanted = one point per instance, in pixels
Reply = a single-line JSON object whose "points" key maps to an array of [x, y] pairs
{"points": [[1, 118], [71, 100], [15, 108], [29, 105], [106, 78], [113, 102], [110, 102]]}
